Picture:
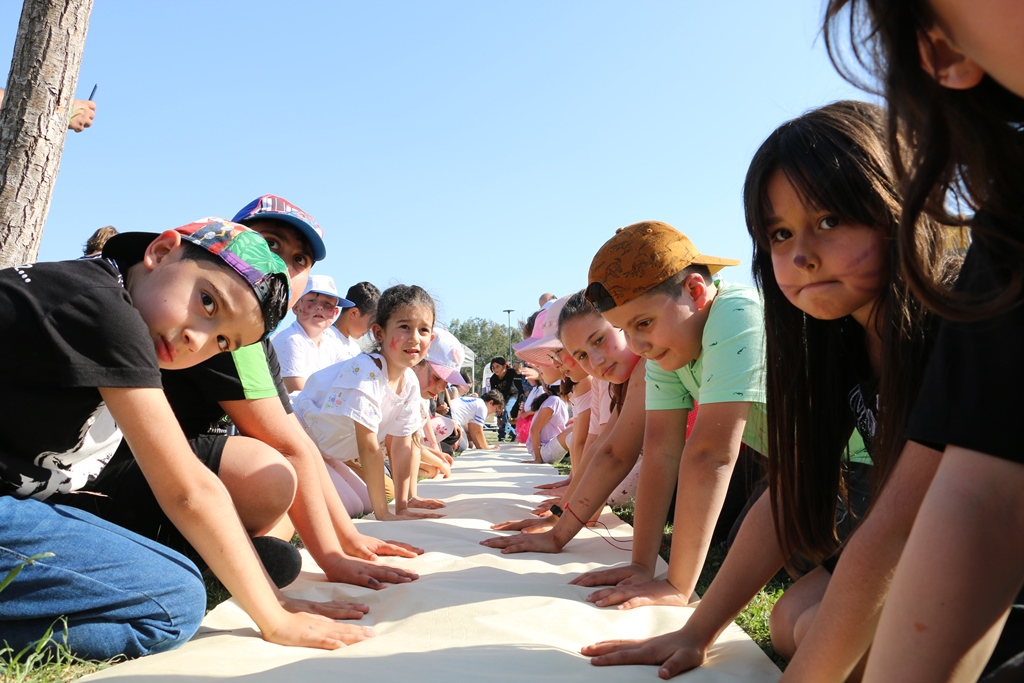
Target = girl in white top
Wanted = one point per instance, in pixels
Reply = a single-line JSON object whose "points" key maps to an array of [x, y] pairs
{"points": [[350, 408], [547, 441]]}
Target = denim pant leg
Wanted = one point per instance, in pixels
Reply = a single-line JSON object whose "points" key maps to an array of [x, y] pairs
{"points": [[120, 593], [502, 424]]}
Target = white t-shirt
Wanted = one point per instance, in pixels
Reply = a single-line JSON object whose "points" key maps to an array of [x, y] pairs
{"points": [[300, 356], [469, 409], [559, 418], [348, 347], [356, 390]]}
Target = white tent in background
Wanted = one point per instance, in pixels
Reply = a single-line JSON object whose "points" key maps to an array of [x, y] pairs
{"points": [[468, 362]]}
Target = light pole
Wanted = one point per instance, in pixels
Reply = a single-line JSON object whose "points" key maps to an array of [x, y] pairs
{"points": [[508, 326]]}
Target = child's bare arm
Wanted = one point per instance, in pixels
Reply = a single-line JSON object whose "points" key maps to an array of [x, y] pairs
{"points": [[664, 437], [198, 504], [292, 384], [612, 461], [846, 620], [266, 420], [705, 468], [749, 565], [477, 438], [958, 575]]}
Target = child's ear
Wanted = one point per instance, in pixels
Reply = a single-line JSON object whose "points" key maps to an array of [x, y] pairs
{"points": [[941, 58], [161, 248], [378, 333], [697, 288]]}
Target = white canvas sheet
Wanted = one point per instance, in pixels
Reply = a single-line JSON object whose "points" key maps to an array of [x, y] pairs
{"points": [[474, 614]]}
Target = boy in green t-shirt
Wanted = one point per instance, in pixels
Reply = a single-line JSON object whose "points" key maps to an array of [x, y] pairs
{"points": [[704, 342], [651, 281]]}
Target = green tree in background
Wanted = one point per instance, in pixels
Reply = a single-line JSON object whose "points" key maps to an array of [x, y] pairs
{"points": [[487, 339]]}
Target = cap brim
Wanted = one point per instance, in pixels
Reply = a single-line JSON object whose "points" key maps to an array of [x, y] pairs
{"points": [[128, 246], [342, 303], [316, 243], [715, 263], [450, 375]]}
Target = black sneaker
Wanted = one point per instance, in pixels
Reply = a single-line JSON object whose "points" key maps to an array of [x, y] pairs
{"points": [[280, 558]]}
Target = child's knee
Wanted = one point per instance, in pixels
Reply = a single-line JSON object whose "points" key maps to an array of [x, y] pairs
{"points": [[781, 625]]}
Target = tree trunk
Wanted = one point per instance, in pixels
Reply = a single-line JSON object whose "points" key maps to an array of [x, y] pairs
{"points": [[34, 119]]}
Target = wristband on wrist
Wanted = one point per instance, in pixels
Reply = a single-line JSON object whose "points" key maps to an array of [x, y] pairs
{"points": [[556, 510]]}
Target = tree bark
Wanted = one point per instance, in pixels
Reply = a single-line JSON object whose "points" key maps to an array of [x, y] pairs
{"points": [[34, 119]]}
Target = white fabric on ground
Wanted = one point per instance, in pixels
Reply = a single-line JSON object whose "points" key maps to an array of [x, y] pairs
{"points": [[474, 614]]}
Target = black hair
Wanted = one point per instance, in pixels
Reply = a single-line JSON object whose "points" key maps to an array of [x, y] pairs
{"points": [[835, 158], [950, 148], [365, 296], [494, 396], [500, 360], [399, 296]]}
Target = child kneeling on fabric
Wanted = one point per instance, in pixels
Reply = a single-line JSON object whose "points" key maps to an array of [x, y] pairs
{"points": [[103, 329]]}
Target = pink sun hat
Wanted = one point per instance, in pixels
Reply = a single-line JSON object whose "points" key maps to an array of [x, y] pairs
{"points": [[540, 347], [445, 355]]}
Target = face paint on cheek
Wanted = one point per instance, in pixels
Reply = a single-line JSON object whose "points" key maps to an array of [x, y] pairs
{"points": [[799, 261], [392, 345]]}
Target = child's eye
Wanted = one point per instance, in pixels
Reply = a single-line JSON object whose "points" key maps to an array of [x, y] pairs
{"points": [[272, 242], [597, 342], [208, 303], [829, 222], [223, 344], [302, 260], [780, 235], [582, 355], [643, 324]]}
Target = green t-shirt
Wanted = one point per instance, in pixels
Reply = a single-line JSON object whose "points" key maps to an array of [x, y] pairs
{"points": [[730, 367]]}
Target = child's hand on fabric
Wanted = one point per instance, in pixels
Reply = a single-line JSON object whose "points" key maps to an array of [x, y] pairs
{"points": [[363, 547], [312, 630], [426, 503], [628, 596], [553, 485], [330, 609], [673, 652], [366, 574], [525, 543], [545, 507], [539, 523], [407, 514], [614, 576]]}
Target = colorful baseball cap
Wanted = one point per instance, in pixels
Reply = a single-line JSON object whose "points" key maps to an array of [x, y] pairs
{"points": [[244, 250], [539, 347], [272, 207], [445, 355], [639, 258], [324, 284]]}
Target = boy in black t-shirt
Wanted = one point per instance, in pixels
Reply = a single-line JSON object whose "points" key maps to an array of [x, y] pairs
{"points": [[85, 343], [273, 468]]}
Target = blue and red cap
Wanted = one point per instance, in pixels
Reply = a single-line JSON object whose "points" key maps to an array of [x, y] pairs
{"points": [[272, 207]]}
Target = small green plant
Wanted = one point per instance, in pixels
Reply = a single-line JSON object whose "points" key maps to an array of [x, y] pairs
{"points": [[13, 574]]}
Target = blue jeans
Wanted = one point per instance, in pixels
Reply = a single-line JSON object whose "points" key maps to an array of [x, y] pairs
{"points": [[119, 593]]}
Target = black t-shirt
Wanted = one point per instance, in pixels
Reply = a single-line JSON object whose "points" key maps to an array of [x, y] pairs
{"points": [[195, 393], [863, 399], [506, 385], [970, 396], [68, 328]]}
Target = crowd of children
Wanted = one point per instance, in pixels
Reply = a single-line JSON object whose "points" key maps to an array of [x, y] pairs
{"points": [[154, 426]]}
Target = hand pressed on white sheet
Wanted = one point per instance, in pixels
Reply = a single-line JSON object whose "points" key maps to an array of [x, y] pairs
{"points": [[615, 576], [525, 543], [673, 652], [312, 630], [363, 547], [530, 525], [366, 574], [628, 596]]}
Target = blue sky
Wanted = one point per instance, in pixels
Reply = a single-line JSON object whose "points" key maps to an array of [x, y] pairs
{"points": [[483, 150]]}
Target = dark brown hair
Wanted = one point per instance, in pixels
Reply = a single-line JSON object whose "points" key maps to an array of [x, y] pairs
{"points": [[578, 306], [950, 148], [835, 157]]}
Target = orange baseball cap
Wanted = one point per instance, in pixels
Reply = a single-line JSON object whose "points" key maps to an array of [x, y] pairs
{"points": [[639, 258]]}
